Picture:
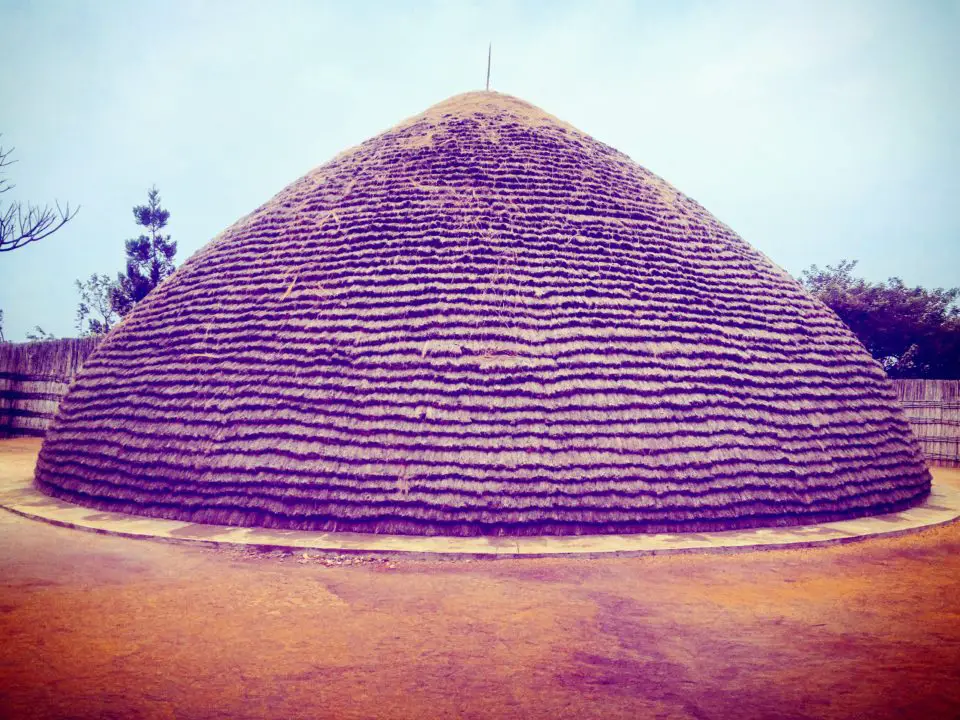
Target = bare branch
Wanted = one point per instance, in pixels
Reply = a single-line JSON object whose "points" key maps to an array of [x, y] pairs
{"points": [[23, 224], [5, 161], [5, 156]]}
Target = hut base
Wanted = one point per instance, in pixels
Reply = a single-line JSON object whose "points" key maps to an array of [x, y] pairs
{"points": [[388, 525]]}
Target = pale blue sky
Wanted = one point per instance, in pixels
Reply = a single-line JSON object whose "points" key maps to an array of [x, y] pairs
{"points": [[816, 130]]}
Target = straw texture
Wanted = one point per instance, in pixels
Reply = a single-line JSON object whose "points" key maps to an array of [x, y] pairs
{"points": [[33, 378], [482, 322]]}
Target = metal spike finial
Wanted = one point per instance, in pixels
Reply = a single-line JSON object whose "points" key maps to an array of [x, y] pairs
{"points": [[489, 53]]}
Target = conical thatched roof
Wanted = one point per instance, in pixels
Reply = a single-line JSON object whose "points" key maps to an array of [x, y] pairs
{"points": [[483, 321]]}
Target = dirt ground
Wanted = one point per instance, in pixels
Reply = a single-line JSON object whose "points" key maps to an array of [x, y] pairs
{"points": [[97, 626]]}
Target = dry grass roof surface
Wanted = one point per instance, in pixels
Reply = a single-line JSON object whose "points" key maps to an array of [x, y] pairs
{"points": [[483, 321]]}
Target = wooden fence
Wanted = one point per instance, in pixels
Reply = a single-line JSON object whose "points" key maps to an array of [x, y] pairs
{"points": [[933, 409], [34, 376]]}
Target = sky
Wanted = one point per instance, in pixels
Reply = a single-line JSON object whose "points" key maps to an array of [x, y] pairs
{"points": [[818, 131]]}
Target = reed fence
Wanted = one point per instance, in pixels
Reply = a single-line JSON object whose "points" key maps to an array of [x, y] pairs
{"points": [[33, 378], [933, 410]]}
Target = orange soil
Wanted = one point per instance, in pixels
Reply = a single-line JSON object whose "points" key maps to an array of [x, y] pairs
{"points": [[105, 627]]}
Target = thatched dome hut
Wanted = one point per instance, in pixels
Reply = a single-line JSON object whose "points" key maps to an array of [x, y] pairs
{"points": [[482, 321]]}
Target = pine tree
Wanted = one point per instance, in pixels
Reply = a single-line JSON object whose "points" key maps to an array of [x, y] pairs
{"points": [[149, 256]]}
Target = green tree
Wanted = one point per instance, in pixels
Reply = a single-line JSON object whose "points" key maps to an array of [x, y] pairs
{"points": [[912, 332], [95, 313], [38, 333], [149, 256]]}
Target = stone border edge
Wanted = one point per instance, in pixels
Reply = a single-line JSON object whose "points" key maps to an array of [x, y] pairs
{"points": [[942, 508]]}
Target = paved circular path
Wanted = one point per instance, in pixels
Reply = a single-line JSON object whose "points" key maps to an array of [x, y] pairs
{"points": [[17, 494]]}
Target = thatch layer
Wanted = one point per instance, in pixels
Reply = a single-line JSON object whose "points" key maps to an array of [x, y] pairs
{"points": [[483, 321]]}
